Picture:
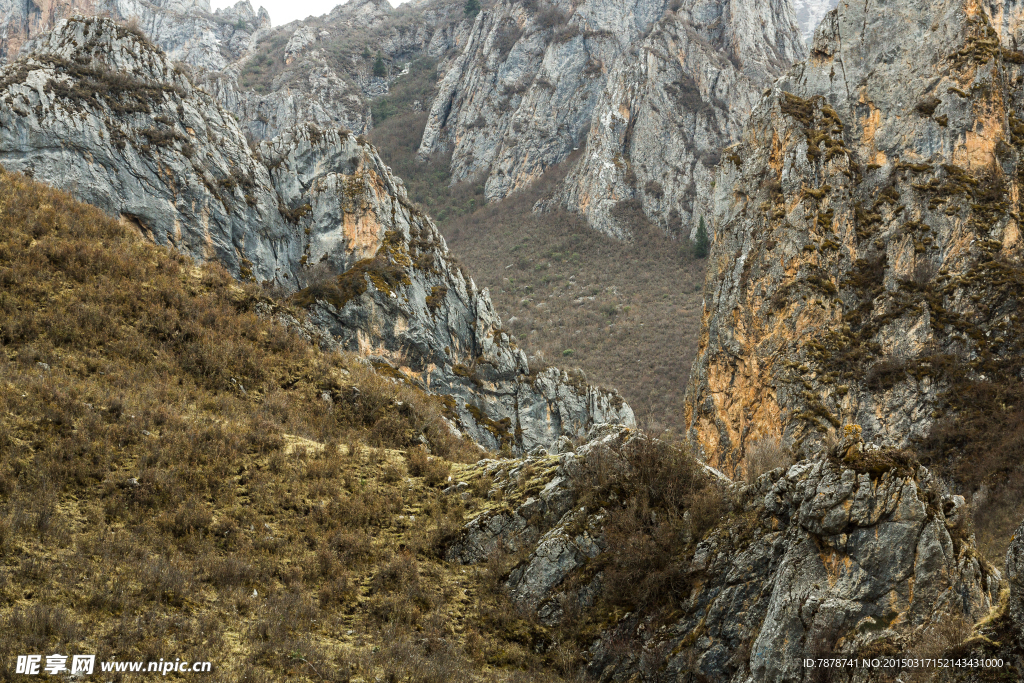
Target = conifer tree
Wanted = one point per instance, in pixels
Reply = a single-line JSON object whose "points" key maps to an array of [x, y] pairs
{"points": [[380, 70], [701, 245], [472, 8]]}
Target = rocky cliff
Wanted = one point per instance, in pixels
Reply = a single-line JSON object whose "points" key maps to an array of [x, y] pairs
{"points": [[866, 260], [652, 89], [96, 109], [821, 559], [185, 29], [652, 92], [667, 108]]}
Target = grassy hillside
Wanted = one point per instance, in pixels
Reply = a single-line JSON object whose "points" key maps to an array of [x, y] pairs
{"points": [[628, 314], [173, 482]]}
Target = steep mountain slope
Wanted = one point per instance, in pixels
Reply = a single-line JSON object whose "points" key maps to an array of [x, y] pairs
{"points": [[529, 85], [866, 263], [186, 29], [97, 109], [322, 70], [522, 84], [184, 477], [712, 581], [662, 119]]}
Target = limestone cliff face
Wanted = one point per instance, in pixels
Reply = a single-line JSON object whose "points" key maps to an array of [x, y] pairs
{"points": [[866, 256], [185, 29], [652, 92], [519, 95], [819, 558], [670, 105], [319, 86], [96, 109]]}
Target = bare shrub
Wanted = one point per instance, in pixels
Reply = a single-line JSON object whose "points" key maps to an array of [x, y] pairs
{"points": [[659, 502], [433, 470], [764, 456]]}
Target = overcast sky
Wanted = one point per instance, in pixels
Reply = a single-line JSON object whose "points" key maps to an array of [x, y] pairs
{"points": [[284, 11]]}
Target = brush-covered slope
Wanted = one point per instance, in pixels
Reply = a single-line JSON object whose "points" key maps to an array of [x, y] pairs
{"points": [[866, 266], [183, 476], [96, 109]]}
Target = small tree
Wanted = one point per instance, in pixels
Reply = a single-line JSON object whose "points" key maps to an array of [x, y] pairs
{"points": [[472, 8], [380, 70], [701, 245]]}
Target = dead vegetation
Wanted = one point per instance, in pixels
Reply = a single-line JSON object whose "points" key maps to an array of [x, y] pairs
{"points": [[181, 478]]}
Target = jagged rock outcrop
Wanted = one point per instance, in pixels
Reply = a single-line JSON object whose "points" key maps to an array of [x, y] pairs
{"points": [[327, 74], [530, 84], [186, 30], [834, 562], [666, 112], [523, 85], [98, 110], [518, 97], [819, 558], [866, 266]]}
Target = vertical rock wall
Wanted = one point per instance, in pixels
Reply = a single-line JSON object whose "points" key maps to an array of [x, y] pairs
{"points": [[866, 257]]}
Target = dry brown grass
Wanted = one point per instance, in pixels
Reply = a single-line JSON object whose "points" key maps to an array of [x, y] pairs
{"points": [[628, 314], [765, 456], [172, 484]]}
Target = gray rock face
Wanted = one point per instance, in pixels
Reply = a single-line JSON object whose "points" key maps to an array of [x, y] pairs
{"points": [[665, 113], [838, 562], [97, 110], [539, 513], [817, 559], [858, 228], [660, 91], [528, 86], [517, 98], [185, 29], [316, 85]]}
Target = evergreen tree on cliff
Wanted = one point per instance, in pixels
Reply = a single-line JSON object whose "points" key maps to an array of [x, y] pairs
{"points": [[472, 8], [701, 245]]}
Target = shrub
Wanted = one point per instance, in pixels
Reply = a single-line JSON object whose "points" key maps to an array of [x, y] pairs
{"points": [[701, 243], [764, 456], [380, 69], [665, 503]]}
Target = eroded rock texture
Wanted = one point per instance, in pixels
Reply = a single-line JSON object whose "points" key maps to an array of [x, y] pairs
{"points": [[866, 259], [667, 108], [819, 558], [186, 30], [97, 110], [658, 90], [651, 89]]}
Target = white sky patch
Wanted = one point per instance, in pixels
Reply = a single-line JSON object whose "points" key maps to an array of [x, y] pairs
{"points": [[287, 11]]}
